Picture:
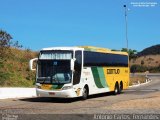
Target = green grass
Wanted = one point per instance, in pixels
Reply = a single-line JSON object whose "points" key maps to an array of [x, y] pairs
{"points": [[14, 70]]}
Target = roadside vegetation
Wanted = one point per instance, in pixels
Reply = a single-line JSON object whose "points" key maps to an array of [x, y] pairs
{"points": [[14, 70], [146, 60]]}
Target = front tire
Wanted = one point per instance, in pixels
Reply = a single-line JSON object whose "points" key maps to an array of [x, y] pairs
{"points": [[85, 93]]}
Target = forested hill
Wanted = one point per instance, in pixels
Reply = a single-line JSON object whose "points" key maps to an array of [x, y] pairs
{"points": [[153, 50]]}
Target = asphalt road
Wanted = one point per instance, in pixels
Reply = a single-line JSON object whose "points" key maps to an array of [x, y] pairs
{"points": [[44, 108]]}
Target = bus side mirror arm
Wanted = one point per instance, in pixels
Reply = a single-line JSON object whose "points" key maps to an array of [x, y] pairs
{"points": [[31, 63]]}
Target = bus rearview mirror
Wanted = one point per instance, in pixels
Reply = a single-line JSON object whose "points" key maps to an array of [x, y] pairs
{"points": [[31, 63]]}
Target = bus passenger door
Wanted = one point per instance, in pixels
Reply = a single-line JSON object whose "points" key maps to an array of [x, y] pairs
{"points": [[77, 72]]}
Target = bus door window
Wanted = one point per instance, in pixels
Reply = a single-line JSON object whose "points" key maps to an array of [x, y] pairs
{"points": [[77, 67]]}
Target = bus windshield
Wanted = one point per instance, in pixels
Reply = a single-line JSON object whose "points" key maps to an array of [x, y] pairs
{"points": [[54, 71], [54, 66]]}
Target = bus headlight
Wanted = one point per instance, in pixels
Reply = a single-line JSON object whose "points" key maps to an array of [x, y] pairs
{"points": [[67, 87], [38, 86]]}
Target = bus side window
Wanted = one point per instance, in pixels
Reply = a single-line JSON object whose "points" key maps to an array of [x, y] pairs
{"points": [[77, 67]]}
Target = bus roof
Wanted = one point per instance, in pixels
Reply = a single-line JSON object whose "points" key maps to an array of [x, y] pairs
{"points": [[103, 50], [86, 48], [63, 48]]}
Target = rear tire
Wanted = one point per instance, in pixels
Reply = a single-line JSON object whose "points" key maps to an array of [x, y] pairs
{"points": [[116, 89], [85, 93]]}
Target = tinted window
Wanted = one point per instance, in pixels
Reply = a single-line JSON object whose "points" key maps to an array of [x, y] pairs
{"points": [[104, 59], [77, 67]]}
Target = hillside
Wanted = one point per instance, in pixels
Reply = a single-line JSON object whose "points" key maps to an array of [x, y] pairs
{"points": [[14, 71], [153, 50], [147, 60]]}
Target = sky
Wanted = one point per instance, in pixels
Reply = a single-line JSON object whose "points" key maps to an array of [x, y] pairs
{"points": [[38, 24]]}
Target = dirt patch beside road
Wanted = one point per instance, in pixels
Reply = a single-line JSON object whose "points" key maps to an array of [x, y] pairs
{"points": [[153, 101], [137, 79]]}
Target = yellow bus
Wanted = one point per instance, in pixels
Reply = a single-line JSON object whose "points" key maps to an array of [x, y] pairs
{"points": [[69, 72]]}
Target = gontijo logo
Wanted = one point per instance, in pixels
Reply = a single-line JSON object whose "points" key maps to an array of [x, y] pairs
{"points": [[113, 71]]}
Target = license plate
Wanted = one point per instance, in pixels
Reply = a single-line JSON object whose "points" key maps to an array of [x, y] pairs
{"points": [[51, 93]]}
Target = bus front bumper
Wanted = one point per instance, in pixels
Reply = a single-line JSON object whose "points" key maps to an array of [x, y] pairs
{"points": [[70, 93]]}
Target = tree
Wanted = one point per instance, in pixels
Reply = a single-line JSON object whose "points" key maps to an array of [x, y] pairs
{"points": [[132, 53], [5, 43], [5, 39]]}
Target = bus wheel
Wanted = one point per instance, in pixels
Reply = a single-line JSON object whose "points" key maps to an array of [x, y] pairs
{"points": [[116, 89], [85, 93], [121, 87]]}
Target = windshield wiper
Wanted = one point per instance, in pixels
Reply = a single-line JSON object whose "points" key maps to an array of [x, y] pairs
{"points": [[44, 80], [53, 78]]}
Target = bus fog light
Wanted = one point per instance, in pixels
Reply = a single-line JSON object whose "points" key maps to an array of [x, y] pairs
{"points": [[67, 87]]}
